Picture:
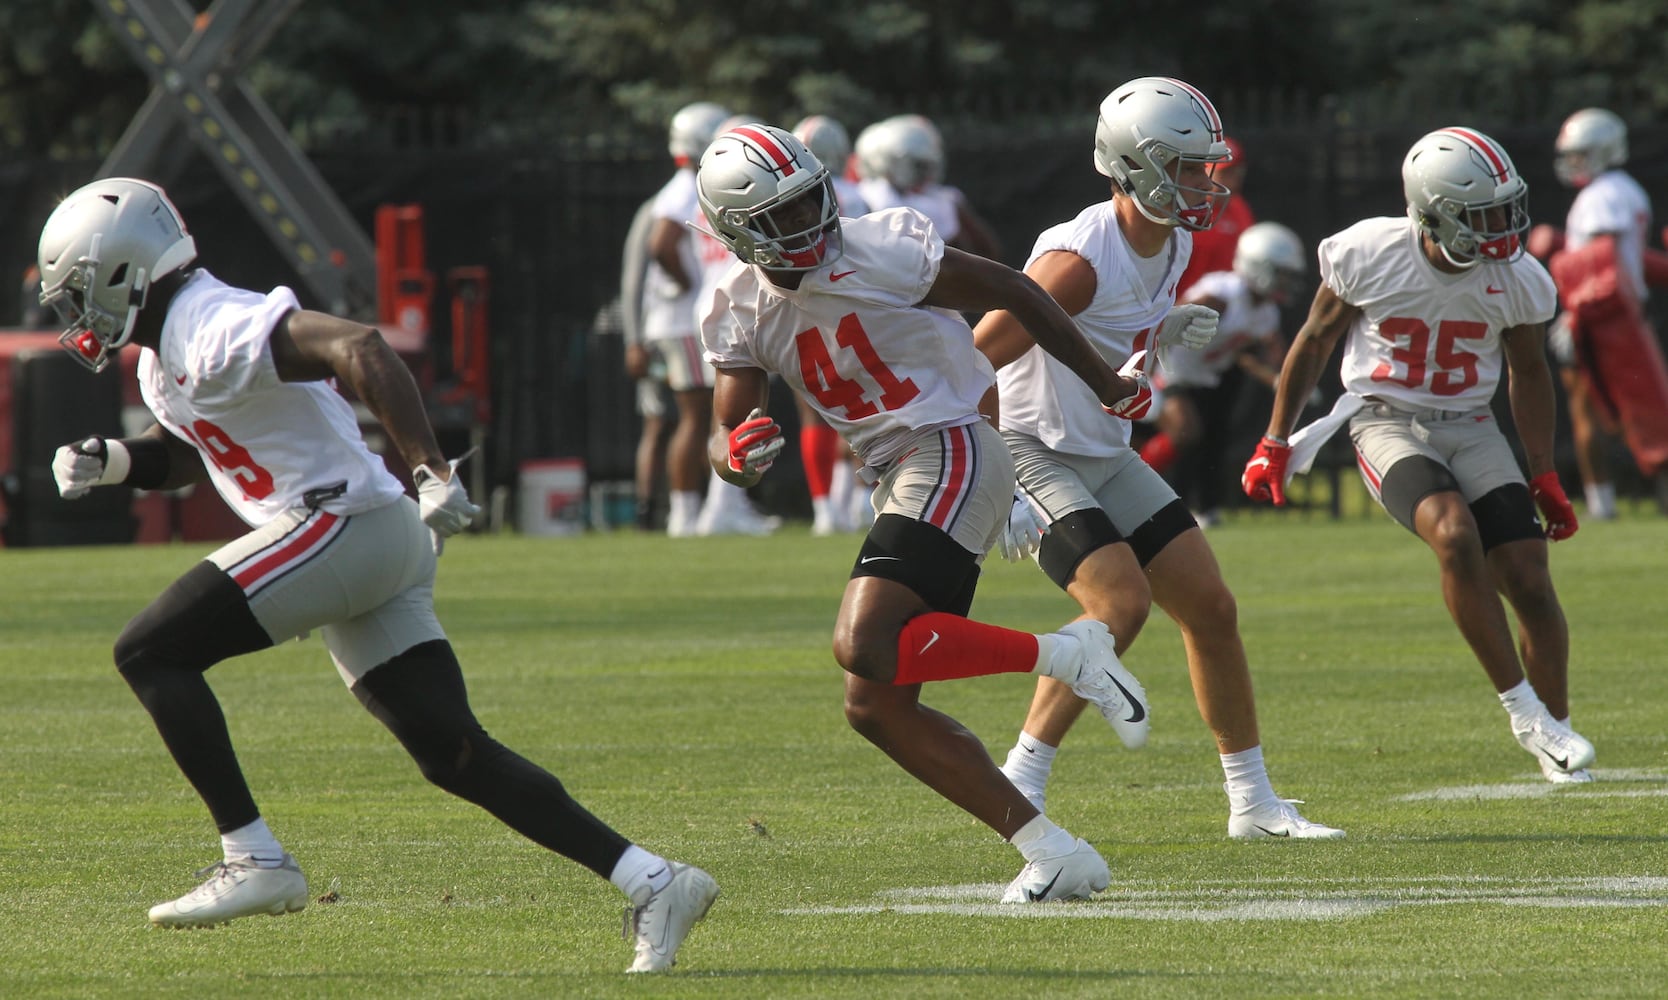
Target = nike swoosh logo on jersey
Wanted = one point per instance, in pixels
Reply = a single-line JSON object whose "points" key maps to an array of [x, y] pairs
{"points": [[841, 274], [1495, 291], [928, 645], [866, 560]]}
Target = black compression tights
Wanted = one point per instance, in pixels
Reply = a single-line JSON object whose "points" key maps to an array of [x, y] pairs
{"points": [[419, 695]]}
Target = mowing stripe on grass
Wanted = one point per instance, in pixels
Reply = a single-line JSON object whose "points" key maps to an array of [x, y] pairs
{"points": [[1273, 899]]}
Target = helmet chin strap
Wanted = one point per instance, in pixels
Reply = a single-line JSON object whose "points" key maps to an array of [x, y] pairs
{"points": [[1462, 264]]}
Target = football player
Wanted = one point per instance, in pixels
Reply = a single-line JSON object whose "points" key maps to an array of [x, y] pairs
{"points": [[1431, 307], [857, 314], [900, 162], [238, 383], [1612, 367], [1102, 524], [1200, 388], [670, 342]]}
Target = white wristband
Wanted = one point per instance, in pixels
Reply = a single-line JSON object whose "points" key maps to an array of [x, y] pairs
{"points": [[117, 463]]}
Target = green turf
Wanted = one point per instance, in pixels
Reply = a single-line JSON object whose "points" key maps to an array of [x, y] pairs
{"points": [[684, 691]]}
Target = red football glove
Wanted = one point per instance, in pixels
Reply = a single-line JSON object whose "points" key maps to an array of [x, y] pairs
{"points": [[1265, 474], [755, 444], [1136, 406], [1554, 506]]}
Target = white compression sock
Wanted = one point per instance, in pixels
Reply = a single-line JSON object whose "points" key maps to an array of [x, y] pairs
{"points": [[252, 841], [640, 874], [1247, 776], [1523, 705], [1029, 763], [1040, 838]]}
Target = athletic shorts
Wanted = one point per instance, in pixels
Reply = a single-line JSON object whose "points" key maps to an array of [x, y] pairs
{"points": [[652, 397], [685, 361], [366, 581], [1468, 443], [958, 479], [1122, 485]]}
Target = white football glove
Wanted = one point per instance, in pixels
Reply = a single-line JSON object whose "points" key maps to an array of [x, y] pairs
{"points": [[94, 461], [444, 505], [1023, 533], [1187, 325]]}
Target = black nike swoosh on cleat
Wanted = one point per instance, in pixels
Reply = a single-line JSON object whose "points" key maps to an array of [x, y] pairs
{"points": [[1037, 897], [1562, 765], [1137, 710], [1271, 833]]}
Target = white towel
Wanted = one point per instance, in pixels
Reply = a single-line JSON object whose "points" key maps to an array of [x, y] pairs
{"points": [[1306, 443]]}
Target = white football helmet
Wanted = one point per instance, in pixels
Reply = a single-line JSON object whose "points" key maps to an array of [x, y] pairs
{"points": [[827, 140], [906, 150], [1271, 259], [769, 199], [693, 127], [101, 250], [1462, 189], [1148, 128], [1590, 142]]}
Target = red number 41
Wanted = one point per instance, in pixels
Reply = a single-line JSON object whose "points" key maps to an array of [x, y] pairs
{"points": [[834, 391]]}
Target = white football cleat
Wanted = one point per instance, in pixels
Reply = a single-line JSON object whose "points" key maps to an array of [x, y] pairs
{"points": [[1557, 777], [1555, 746], [1275, 818], [1103, 681], [1077, 875], [662, 921], [236, 889]]}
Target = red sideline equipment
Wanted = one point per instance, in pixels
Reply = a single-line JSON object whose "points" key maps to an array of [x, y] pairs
{"points": [[1615, 348]]}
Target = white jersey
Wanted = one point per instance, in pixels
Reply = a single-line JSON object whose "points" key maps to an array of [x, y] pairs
{"points": [[1427, 339], [1613, 202], [1043, 398], [884, 366], [938, 202], [669, 311], [850, 198], [267, 443], [1245, 324]]}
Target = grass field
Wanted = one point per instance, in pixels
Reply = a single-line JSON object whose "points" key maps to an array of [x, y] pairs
{"points": [[683, 690]]}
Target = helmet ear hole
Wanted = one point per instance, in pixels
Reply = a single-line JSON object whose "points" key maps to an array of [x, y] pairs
{"points": [[119, 275]]}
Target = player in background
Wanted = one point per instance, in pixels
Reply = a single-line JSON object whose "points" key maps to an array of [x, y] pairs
{"points": [[726, 509], [829, 473], [238, 382], [1200, 388], [859, 315], [669, 333], [1102, 524], [1429, 307], [900, 162], [653, 397], [1612, 367]]}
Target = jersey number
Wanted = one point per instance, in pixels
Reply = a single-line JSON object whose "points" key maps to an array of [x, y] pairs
{"points": [[1456, 369], [837, 393], [231, 458]]}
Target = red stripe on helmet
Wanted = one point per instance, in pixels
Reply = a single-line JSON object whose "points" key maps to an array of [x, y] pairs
{"points": [[769, 146], [1490, 150], [1210, 109]]}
